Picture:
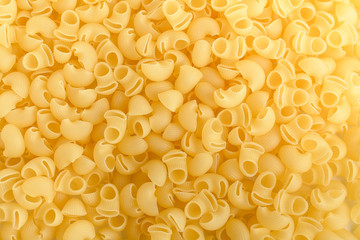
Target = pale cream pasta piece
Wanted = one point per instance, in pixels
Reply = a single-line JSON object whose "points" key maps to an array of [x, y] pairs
{"points": [[156, 171], [171, 99], [109, 205], [39, 186], [203, 202], [264, 184], [14, 214], [8, 177], [69, 183], [146, 199], [307, 227], [77, 76], [255, 77], [295, 158], [13, 141], [288, 203], [39, 166], [80, 229], [119, 17], [176, 164], [126, 43], [143, 25], [187, 79], [249, 155], [36, 144], [175, 14], [233, 49], [172, 40]]}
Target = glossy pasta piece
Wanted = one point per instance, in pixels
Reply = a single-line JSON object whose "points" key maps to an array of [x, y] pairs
{"points": [[13, 214]]}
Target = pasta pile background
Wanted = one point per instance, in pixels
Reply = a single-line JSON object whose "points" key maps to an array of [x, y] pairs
{"points": [[179, 119]]}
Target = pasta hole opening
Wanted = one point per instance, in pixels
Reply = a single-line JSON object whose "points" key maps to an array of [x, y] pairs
{"points": [[111, 134], [193, 210], [54, 127], [223, 188], [300, 237], [181, 44], [274, 79], [318, 46], [178, 176], [32, 199], [110, 162], [336, 152], [243, 24], [288, 111], [314, 31], [108, 192], [138, 129], [216, 126], [101, 70], [172, 7], [241, 134], [16, 219], [112, 59], [299, 206], [207, 217], [226, 117], [121, 8], [335, 38], [140, 158], [304, 122], [309, 144], [117, 221], [220, 45], [12, 162], [50, 216], [70, 17], [306, 13], [329, 99], [250, 168], [268, 181], [62, 48], [31, 61], [2, 214], [100, 37], [300, 97], [76, 184], [28, 173], [47, 96], [249, 40], [201, 185], [262, 43]]}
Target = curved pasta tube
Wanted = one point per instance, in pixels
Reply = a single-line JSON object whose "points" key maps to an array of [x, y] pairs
{"points": [[345, 168], [173, 132], [62, 53], [109, 205], [201, 27], [268, 48], [175, 161], [49, 214], [262, 189], [36, 144], [18, 82], [283, 8], [28, 203], [158, 70], [173, 217], [116, 126], [39, 186], [230, 97], [200, 164], [249, 155], [74, 207], [147, 200], [239, 197], [108, 51], [39, 166], [14, 214], [187, 116], [143, 25], [307, 228], [67, 153], [93, 33], [106, 83], [293, 131], [187, 79], [61, 110], [236, 228], [263, 123], [233, 49], [214, 220], [171, 39], [304, 44], [126, 43], [338, 218], [191, 144], [119, 18], [38, 92], [202, 203], [80, 229], [40, 57], [8, 177], [22, 117], [56, 85], [139, 125], [341, 36], [332, 89], [287, 203], [229, 118], [271, 219], [95, 114], [76, 130], [83, 165], [5, 66], [86, 55], [42, 25], [193, 232], [294, 158], [255, 78], [103, 156], [128, 202], [8, 101], [175, 14], [66, 182], [212, 135], [230, 170], [212, 182], [291, 181], [130, 80], [156, 171], [132, 145], [160, 231], [316, 145], [13, 141], [69, 26], [72, 75], [282, 73], [318, 174], [328, 198], [237, 16], [80, 97], [171, 99], [146, 47], [93, 13], [203, 48]]}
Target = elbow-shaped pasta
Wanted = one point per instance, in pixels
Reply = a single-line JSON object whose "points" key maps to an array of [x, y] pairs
{"points": [[264, 184], [38, 92], [230, 97], [250, 153], [201, 48], [178, 18], [355, 213], [39, 186], [187, 115], [158, 70], [128, 202], [86, 55], [138, 105], [323, 23], [305, 12], [345, 12], [200, 164], [160, 117], [271, 219], [275, 29], [236, 228], [239, 197], [62, 53], [337, 145], [304, 44], [147, 200], [324, 67], [95, 114], [40, 57], [238, 136], [307, 228], [173, 217], [18, 82], [77, 77], [294, 158], [193, 232], [343, 35], [68, 183], [56, 85], [103, 156], [302, 81], [204, 91], [202, 203], [36, 144], [69, 26], [93, 33], [109, 205], [332, 89], [263, 123], [127, 44], [119, 18], [8, 35], [41, 8], [226, 69], [61, 110], [14, 214], [211, 134], [132, 145], [296, 128], [229, 118], [39, 166], [130, 80], [287, 203], [191, 144], [76, 130], [283, 8], [327, 234], [49, 214], [264, 140], [214, 220], [318, 174], [353, 92], [80, 97], [196, 5], [13, 141], [91, 197], [139, 125], [143, 25], [28, 203], [175, 161], [237, 16], [83, 165], [5, 66], [233, 49], [80, 229], [146, 47], [282, 73], [291, 181], [318, 147], [8, 11], [173, 132], [171, 39], [201, 27], [93, 13], [266, 47], [107, 51], [255, 77], [74, 207], [8, 101], [187, 79], [47, 124], [156, 171], [8, 177], [42, 25], [106, 84], [171, 99], [67, 153], [159, 231], [340, 113], [329, 198], [337, 219], [215, 183], [286, 232], [116, 126]]}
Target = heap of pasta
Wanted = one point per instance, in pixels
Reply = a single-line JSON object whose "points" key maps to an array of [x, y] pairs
{"points": [[179, 119]]}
